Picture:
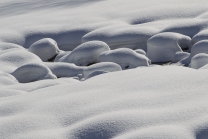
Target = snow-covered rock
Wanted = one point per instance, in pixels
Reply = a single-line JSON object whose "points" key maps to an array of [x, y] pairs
{"points": [[61, 69], [7, 79], [32, 72], [45, 48], [199, 47], [95, 73], [125, 57], [122, 36], [61, 55], [86, 53], [103, 66], [140, 51], [202, 35], [162, 47], [199, 60], [179, 56]]}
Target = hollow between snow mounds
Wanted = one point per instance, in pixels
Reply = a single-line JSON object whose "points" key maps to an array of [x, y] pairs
{"points": [[122, 36]]}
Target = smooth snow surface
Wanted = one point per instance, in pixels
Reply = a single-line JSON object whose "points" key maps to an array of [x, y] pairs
{"points": [[61, 71]]}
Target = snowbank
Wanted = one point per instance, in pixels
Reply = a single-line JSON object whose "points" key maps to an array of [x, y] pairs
{"points": [[199, 60]]}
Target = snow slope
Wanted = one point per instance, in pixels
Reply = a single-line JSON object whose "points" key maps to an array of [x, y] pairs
{"points": [[56, 102]]}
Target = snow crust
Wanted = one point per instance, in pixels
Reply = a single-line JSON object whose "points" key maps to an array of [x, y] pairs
{"points": [[77, 88]]}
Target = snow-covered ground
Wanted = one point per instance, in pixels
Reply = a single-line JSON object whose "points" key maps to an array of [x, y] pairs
{"points": [[103, 69]]}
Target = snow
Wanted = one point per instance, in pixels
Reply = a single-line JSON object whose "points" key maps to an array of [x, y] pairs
{"points": [[163, 46], [199, 60], [45, 49], [78, 90], [86, 53], [103, 66], [32, 72], [125, 57]]}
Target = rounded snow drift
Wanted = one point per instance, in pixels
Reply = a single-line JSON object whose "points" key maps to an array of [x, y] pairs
{"points": [[199, 60], [125, 57], [86, 53], [32, 72], [162, 47], [45, 48], [61, 55], [179, 56], [103, 66]]}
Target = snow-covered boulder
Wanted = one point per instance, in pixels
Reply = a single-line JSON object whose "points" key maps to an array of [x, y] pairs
{"points": [[203, 35], [7, 79], [122, 36], [103, 66], [7, 46], [125, 57], [199, 61], [199, 47], [179, 56], [32, 72], [140, 51], [86, 53], [162, 47], [45, 48], [95, 73], [61, 69], [61, 55]]}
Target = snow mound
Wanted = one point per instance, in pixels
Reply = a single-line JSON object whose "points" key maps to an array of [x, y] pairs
{"points": [[86, 53], [179, 56], [163, 46], [140, 51], [199, 47], [61, 69], [7, 79], [199, 60], [6, 46], [45, 48], [61, 55], [203, 35], [32, 72], [14, 58], [95, 73], [125, 57], [10, 92], [103, 66], [122, 36]]}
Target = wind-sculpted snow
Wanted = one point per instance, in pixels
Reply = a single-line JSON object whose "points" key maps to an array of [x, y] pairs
{"points": [[125, 57], [86, 53], [61, 71], [162, 47]]}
